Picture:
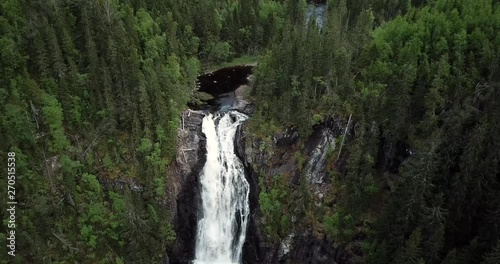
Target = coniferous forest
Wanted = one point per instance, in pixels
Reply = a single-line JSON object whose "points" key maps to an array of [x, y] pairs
{"points": [[92, 93]]}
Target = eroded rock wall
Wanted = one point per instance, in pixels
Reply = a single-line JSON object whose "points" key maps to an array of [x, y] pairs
{"points": [[278, 157], [183, 189]]}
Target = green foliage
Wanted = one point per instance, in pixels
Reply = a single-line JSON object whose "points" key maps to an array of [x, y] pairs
{"points": [[53, 117], [273, 205], [411, 253], [218, 52], [91, 94], [418, 173], [339, 228], [145, 146], [493, 256]]}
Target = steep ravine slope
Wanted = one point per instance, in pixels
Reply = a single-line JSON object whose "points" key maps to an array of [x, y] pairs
{"points": [[301, 245], [268, 160], [301, 163]]}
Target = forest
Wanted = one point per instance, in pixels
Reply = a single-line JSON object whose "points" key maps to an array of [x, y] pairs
{"points": [[92, 91]]}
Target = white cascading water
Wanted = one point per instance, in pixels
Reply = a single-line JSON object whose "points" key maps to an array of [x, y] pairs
{"points": [[224, 193]]}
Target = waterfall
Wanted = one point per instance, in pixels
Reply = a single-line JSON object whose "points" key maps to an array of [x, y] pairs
{"points": [[224, 192], [317, 12]]}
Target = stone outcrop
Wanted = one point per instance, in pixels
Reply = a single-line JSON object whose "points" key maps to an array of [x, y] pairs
{"points": [[183, 190]]}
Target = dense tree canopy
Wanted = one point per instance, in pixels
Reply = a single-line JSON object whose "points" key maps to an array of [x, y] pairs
{"points": [[424, 75], [91, 93]]}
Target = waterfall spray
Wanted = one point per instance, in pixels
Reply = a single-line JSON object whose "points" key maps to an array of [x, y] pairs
{"points": [[224, 192]]}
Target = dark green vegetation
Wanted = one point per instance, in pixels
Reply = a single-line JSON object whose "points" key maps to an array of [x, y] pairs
{"points": [[427, 80], [91, 93]]}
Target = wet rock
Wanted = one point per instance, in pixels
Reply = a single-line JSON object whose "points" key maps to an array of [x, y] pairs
{"points": [[287, 138], [316, 167], [252, 250], [183, 191], [286, 246], [234, 103], [244, 106], [244, 90]]}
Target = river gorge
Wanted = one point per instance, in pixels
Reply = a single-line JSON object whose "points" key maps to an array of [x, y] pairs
{"points": [[217, 198]]}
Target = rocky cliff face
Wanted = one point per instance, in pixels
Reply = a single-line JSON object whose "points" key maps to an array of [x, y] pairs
{"points": [[183, 190], [300, 246]]}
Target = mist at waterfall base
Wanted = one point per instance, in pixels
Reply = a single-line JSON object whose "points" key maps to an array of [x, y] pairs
{"points": [[224, 193]]}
